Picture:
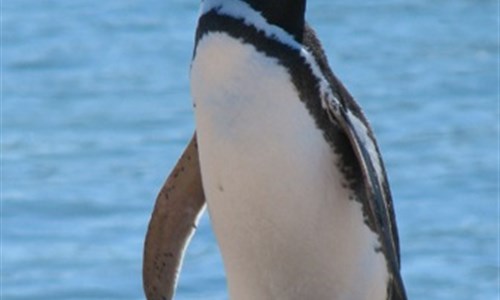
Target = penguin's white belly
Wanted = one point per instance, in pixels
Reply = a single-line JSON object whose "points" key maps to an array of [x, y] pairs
{"points": [[284, 222]]}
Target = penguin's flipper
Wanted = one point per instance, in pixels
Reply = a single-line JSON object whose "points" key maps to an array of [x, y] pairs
{"points": [[175, 216]]}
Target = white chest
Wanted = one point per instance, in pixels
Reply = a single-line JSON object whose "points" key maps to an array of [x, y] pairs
{"points": [[284, 223]]}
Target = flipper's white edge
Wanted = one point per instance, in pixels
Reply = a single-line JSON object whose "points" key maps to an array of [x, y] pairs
{"points": [[178, 207], [379, 200]]}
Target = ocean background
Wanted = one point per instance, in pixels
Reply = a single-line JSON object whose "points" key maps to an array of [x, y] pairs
{"points": [[96, 110]]}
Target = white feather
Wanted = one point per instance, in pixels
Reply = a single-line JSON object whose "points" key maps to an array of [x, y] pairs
{"points": [[367, 142]]}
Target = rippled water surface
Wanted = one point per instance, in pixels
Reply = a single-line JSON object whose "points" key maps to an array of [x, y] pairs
{"points": [[96, 110]]}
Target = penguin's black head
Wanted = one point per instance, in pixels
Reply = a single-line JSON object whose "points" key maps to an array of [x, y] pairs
{"points": [[287, 14]]}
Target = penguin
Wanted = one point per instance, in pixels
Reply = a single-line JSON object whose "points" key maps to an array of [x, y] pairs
{"points": [[285, 161]]}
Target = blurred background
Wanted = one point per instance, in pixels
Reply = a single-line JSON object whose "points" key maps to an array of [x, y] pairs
{"points": [[96, 110]]}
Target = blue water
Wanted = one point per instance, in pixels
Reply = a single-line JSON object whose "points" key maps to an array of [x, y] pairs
{"points": [[96, 110]]}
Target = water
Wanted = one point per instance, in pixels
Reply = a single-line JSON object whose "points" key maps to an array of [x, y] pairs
{"points": [[96, 110]]}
